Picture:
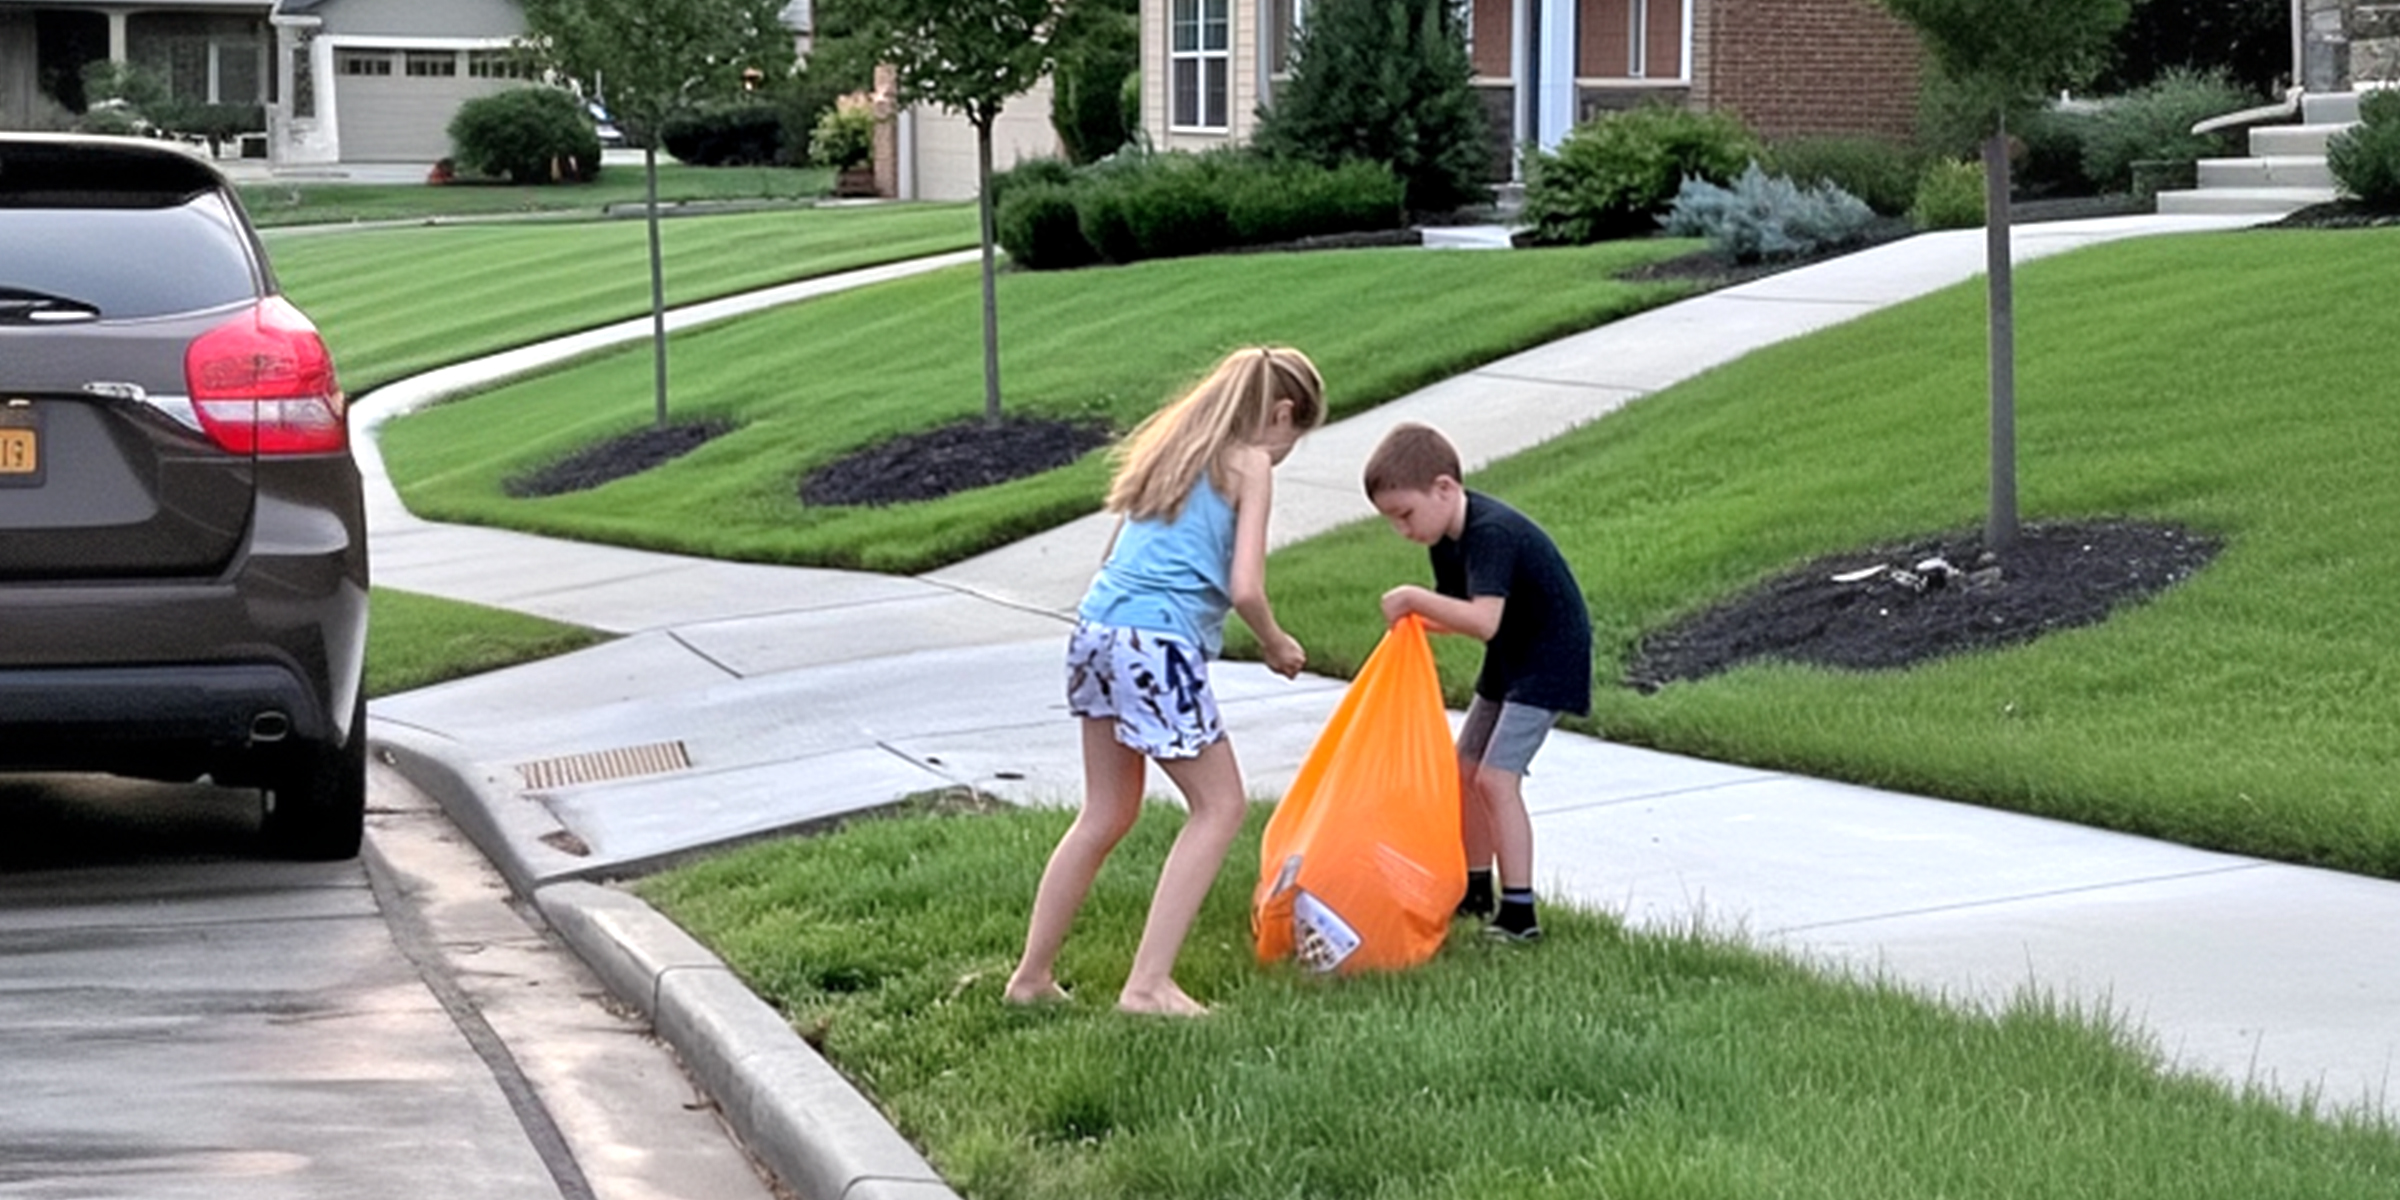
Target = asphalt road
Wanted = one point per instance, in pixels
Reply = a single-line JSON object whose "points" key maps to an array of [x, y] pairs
{"points": [[179, 1018]]}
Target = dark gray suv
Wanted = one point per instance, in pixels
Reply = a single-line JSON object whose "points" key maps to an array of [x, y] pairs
{"points": [[183, 545]]}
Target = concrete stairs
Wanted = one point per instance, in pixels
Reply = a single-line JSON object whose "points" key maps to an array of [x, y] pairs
{"points": [[2286, 169]]}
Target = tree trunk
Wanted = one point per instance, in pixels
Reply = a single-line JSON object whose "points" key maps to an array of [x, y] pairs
{"points": [[658, 288], [2000, 528], [991, 301]]}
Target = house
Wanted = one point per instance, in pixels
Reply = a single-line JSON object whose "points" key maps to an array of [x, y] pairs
{"points": [[207, 51], [335, 80], [1787, 67], [379, 80]]}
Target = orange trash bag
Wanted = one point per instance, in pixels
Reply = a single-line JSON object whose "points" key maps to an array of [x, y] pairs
{"points": [[1362, 864]]}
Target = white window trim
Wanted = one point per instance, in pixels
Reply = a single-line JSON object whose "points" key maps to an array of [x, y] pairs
{"points": [[1222, 56]]}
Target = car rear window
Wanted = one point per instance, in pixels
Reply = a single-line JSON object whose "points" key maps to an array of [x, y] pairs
{"points": [[129, 262], [132, 232]]}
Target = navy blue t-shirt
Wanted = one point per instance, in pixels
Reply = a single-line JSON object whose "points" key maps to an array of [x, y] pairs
{"points": [[1542, 654]]}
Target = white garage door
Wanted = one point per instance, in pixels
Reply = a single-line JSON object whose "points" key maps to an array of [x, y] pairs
{"points": [[396, 105]]}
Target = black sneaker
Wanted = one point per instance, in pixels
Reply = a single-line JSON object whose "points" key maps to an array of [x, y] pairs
{"points": [[1470, 910]]}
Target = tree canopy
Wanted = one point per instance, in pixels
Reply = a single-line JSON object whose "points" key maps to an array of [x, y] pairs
{"points": [[649, 60]]}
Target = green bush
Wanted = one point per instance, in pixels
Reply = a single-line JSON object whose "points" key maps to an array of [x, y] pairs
{"points": [[1173, 208], [1136, 206], [1881, 173], [2365, 159], [1613, 176], [844, 137], [1766, 216], [2050, 143], [1950, 196], [741, 135], [526, 135], [1037, 224], [2155, 123], [1282, 202]]}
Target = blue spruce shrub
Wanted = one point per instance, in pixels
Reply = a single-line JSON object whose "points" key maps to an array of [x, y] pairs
{"points": [[1761, 216]]}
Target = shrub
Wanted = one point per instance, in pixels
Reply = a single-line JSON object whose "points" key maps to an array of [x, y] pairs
{"points": [[2155, 123], [1612, 177], [1766, 216], [526, 135], [1879, 172], [735, 136], [1100, 48], [2365, 159], [2051, 141], [1281, 202], [1950, 196], [1170, 209], [1037, 224], [1386, 81], [844, 137], [1132, 206]]}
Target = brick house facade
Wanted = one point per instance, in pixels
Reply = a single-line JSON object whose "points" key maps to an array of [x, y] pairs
{"points": [[1787, 67]]}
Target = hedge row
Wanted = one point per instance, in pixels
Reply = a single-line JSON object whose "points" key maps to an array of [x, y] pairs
{"points": [[1050, 216]]}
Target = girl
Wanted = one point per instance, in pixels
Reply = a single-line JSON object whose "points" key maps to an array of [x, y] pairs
{"points": [[1192, 489]]}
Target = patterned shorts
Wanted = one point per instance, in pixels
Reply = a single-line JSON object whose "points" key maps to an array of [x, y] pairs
{"points": [[1153, 685]]}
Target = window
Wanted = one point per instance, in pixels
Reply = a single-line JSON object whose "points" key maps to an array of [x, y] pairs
{"points": [[1286, 18], [432, 64], [362, 62], [494, 64], [1199, 40]]}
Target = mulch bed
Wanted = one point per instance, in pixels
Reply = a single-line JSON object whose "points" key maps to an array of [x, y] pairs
{"points": [[1893, 606], [954, 458]]}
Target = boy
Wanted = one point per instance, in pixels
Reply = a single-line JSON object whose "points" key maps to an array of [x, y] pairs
{"points": [[1500, 580]]}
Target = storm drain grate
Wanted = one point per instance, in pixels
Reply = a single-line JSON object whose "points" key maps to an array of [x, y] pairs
{"points": [[593, 766]]}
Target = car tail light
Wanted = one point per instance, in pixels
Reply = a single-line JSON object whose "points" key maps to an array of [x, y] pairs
{"points": [[262, 383]]}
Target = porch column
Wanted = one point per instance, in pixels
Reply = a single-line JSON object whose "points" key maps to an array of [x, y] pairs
{"points": [[1554, 73], [116, 35]]}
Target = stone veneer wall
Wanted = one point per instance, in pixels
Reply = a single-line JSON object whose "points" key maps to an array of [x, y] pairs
{"points": [[2346, 42]]}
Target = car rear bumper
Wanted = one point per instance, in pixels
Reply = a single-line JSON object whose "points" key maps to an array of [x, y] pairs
{"points": [[163, 722]]}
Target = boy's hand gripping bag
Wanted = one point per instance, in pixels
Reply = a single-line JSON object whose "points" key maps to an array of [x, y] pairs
{"points": [[1361, 866]]}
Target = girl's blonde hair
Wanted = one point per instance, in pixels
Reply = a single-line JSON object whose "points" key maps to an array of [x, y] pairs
{"points": [[1162, 458]]}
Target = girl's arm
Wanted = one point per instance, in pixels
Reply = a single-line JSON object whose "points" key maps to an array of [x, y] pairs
{"points": [[1254, 495], [1478, 618]]}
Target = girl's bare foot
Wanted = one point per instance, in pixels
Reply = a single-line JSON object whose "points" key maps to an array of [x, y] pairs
{"points": [[1166, 1002], [1045, 991]]}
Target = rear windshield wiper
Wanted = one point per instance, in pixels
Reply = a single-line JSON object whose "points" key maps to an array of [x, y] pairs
{"points": [[19, 306]]}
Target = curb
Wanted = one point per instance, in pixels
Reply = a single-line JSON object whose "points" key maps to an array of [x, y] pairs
{"points": [[799, 1115]]}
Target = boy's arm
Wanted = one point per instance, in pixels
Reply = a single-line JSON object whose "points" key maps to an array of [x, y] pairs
{"points": [[1478, 618]]}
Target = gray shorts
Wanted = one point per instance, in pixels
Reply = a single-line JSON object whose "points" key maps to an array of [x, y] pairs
{"points": [[1154, 686], [1503, 736]]}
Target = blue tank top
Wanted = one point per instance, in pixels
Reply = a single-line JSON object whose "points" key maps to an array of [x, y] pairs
{"points": [[1170, 576]]}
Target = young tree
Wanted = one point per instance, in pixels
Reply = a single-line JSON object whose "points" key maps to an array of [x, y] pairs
{"points": [[1387, 81], [2008, 54], [649, 61], [971, 57]]}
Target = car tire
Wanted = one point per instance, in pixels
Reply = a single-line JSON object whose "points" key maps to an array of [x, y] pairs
{"points": [[316, 800]]}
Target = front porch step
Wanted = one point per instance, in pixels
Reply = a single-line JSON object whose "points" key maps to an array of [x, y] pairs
{"points": [[2266, 171], [2276, 140], [2263, 201]]}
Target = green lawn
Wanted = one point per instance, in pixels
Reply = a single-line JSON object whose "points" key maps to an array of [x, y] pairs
{"points": [[2236, 383], [306, 202], [392, 302], [1600, 1064], [415, 641], [811, 382]]}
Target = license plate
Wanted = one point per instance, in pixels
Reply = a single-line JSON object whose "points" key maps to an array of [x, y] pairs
{"points": [[20, 447]]}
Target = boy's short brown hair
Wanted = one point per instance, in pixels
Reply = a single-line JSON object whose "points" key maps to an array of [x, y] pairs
{"points": [[1410, 457]]}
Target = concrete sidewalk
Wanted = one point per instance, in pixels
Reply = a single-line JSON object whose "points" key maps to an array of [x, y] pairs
{"points": [[745, 700]]}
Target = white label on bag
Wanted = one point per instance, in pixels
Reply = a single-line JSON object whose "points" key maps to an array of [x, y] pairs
{"points": [[1320, 938]]}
